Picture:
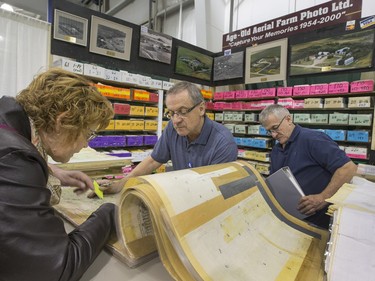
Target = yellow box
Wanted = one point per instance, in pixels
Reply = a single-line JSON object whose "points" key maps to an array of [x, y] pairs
{"points": [[113, 92], [151, 111], [207, 94], [151, 125], [263, 168], [137, 125], [164, 124], [140, 95], [111, 125], [161, 169], [122, 125], [262, 156], [136, 110], [210, 115], [249, 154]]}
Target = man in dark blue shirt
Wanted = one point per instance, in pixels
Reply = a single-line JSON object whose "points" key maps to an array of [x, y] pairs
{"points": [[315, 160], [190, 139]]}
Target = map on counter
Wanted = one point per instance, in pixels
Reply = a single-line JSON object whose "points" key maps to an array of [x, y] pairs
{"points": [[218, 222]]}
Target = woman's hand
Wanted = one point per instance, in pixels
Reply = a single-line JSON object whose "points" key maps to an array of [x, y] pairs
{"points": [[77, 179], [109, 187]]}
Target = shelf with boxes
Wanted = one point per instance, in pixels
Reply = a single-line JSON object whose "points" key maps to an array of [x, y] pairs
{"points": [[135, 123], [343, 110], [239, 111], [137, 101]]}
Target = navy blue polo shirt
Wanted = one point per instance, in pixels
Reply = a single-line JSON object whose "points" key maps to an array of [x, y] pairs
{"points": [[312, 156], [214, 145]]}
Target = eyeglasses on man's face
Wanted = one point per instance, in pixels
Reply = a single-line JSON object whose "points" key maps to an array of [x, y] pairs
{"points": [[275, 129], [183, 112]]}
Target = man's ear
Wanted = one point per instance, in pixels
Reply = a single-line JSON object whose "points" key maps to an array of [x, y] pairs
{"points": [[202, 108]]}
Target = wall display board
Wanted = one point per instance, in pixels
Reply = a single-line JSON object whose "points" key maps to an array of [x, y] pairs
{"points": [[310, 19], [228, 66], [116, 44], [110, 38], [70, 28], [155, 46], [266, 62], [338, 53], [194, 64]]}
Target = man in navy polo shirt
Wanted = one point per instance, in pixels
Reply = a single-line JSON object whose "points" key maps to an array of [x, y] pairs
{"points": [[315, 160], [190, 139]]}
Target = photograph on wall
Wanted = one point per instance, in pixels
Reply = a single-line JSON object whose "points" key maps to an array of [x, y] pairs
{"points": [[110, 39], [336, 53], [266, 62], [70, 28], [193, 64], [228, 66], [155, 46]]}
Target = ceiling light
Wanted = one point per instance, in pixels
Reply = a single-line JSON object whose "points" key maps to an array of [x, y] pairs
{"points": [[7, 7]]}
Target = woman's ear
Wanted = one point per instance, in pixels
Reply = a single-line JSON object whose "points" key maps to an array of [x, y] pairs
{"points": [[59, 122]]}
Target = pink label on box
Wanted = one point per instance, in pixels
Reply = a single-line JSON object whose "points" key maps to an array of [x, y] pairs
{"points": [[287, 102], [120, 108], [285, 91], [298, 104], [318, 89], [219, 105], [357, 156], [231, 95], [267, 92], [218, 96], [251, 93], [362, 86], [338, 87], [236, 105], [241, 94], [209, 105], [227, 105], [301, 90]]}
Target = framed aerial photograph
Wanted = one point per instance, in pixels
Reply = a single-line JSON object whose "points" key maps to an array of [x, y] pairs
{"points": [[110, 38], [193, 64], [353, 50], [70, 28], [155, 46], [266, 62], [228, 66]]}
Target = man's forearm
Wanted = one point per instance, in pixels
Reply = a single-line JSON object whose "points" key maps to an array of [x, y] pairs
{"points": [[341, 176]]}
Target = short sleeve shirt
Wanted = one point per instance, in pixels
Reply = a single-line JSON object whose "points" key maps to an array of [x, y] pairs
{"points": [[214, 145], [312, 156]]}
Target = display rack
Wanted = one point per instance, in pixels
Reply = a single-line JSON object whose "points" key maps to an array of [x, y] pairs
{"points": [[239, 112]]}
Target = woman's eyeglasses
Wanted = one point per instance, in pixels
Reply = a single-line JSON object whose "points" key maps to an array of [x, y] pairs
{"points": [[91, 135]]}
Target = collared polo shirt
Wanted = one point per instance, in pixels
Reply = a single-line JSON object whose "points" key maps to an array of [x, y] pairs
{"points": [[312, 156], [214, 145]]}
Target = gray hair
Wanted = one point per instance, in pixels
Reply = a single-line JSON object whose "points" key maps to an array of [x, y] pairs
{"points": [[194, 92], [274, 109]]}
